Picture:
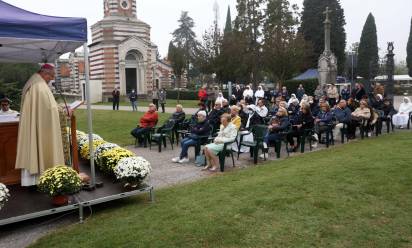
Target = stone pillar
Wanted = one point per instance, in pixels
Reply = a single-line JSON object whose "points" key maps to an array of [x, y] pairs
{"points": [[122, 77]]}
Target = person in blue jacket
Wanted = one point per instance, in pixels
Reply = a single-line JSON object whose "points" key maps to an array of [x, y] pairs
{"points": [[322, 121]]}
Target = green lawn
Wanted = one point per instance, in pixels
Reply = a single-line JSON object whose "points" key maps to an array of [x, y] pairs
{"points": [[169, 103], [356, 195], [113, 126]]}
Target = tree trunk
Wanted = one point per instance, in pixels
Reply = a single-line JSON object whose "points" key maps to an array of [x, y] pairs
{"points": [[178, 89]]}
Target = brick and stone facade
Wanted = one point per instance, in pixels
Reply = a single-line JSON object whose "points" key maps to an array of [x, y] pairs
{"points": [[122, 54]]}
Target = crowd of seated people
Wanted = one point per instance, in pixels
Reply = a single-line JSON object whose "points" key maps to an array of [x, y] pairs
{"points": [[290, 116]]}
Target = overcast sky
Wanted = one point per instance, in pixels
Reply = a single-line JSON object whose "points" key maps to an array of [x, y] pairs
{"points": [[393, 17]]}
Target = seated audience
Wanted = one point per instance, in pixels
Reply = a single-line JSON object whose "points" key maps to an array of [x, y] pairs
{"points": [[234, 113], [147, 122], [201, 128], [225, 106], [261, 109], [215, 114], [303, 121], [227, 133], [343, 116], [178, 116], [202, 107], [358, 116], [322, 121], [279, 123], [402, 117], [275, 106], [233, 100]]}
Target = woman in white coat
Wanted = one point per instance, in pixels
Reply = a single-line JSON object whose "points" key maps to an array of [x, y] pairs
{"points": [[402, 117]]}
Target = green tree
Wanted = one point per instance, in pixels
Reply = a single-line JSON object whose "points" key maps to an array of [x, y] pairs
{"points": [[409, 52], [368, 57], [177, 59], [312, 28], [231, 63], [13, 77], [248, 26], [284, 51], [185, 39], [228, 25]]}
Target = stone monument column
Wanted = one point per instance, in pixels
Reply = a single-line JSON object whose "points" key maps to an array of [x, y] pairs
{"points": [[327, 64], [390, 70]]}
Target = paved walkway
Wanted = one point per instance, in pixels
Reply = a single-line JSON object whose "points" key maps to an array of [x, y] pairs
{"points": [[170, 110], [164, 174]]}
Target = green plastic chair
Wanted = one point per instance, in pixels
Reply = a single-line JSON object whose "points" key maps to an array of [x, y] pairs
{"points": [[259, 132]]}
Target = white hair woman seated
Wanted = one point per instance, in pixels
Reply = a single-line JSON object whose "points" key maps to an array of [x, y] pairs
{"points": [[227, 133], [402, 117]]}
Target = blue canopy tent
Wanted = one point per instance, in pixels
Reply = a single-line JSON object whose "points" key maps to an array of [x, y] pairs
{"points": [[309, 74], [27, 37]]}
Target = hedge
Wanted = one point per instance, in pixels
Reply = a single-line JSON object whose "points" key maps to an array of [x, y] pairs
{"points": [[186, 94], [309, 85]]}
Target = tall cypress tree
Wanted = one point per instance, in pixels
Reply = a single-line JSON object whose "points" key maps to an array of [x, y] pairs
{"points": [[409, 52], [368, 57], [312, 28], [248, 30], [228, 26]]}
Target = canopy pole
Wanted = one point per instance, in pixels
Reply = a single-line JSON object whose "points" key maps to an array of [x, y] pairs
{"points": [[89, 115]]}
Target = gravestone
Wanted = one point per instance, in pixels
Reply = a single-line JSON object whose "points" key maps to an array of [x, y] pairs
{"points": [[327, 64]]}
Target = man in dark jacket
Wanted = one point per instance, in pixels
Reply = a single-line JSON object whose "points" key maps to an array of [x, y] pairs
{"points": [[201, 128], [343, 116], [215, 114], [116, 98], [133, 99]]}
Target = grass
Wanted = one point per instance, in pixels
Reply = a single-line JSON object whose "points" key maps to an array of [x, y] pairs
{"points": [[113, 126], [169, 103], [356, 195]]}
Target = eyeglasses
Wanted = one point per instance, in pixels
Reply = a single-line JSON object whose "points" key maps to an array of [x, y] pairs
{"points": [[4, 104]]}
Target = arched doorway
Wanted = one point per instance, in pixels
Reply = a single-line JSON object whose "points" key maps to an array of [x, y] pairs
{"points": [[133, 71]]}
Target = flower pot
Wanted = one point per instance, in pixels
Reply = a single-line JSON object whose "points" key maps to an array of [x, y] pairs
{"points": [[132, 186], [60, 200]]}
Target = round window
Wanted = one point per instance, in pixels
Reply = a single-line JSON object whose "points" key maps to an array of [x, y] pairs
{"points": [[125, 4]]}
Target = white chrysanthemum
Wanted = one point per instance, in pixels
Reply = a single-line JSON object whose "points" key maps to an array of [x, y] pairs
{"points": [[102, 148], [84, 139], [4, 195], [132, 168]]}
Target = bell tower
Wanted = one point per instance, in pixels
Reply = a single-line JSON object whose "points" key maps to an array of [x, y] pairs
{"points": [[120, 8]]}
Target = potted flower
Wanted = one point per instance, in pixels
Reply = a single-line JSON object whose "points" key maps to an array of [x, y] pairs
{"points": [[85, 151], [4, 195], [101, 149], [84, 139], [59, 182], [110, 158], [132, 171]]}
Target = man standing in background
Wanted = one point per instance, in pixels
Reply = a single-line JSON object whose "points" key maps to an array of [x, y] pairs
{"points": [[116, 98], [133, 99]]}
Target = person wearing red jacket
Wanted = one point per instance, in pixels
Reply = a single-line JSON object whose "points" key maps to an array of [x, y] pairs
{"points": [[148, 121], [202, 94]]}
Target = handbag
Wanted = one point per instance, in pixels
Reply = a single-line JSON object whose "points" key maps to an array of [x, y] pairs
{"points": [[200, 160]]}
